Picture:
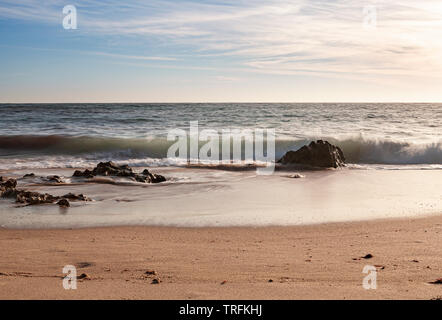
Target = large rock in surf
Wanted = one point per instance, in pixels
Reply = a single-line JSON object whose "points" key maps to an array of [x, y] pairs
{"points": [[111, 169], [316, 154]]}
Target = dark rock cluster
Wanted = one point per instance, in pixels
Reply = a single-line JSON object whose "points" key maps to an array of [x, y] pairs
{"points": [[8, 187], [112, 169], [52, 179], [8, 190], [55, 179]]}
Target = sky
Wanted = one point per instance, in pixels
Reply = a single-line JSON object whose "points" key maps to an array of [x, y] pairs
{"points": [[221, 51]]}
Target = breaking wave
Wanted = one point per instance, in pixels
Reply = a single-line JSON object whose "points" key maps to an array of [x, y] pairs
{"points": [[79, 151]]}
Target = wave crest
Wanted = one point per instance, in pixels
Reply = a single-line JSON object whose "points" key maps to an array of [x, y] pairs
{"points": [[358, 150]]}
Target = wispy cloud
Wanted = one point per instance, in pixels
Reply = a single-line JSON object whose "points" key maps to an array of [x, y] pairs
{"points": [[98, 53], [322, 38], [227, 79], [130, 57]]}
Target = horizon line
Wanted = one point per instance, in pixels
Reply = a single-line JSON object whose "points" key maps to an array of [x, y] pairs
{"points": [[219, 102]]}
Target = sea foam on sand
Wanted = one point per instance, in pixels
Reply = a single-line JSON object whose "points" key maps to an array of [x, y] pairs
{"points": [[208, 197]]}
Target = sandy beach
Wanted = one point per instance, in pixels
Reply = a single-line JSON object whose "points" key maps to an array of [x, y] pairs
{"points": [[215, 234], [301, 262]]}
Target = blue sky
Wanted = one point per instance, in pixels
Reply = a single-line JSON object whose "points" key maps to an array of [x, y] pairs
{"points": [[219, 51]]}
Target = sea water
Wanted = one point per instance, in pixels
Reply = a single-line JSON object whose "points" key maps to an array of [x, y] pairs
{"points": [[381, 135]]}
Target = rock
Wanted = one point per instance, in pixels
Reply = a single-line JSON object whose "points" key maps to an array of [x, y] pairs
{"points": [[150, 272], [297, 176], [111, 169], [79, 197], [86, 173], [64, 203], [33, 198], [77, 173], [55, 179], [437, 281], [7, 188], [156, 281], [379, 266], [84, 264], [9, 184], [1, 178], [316, 154], [223, 282], [367, 256], [8, 193], [83, 276], [152, 177]]}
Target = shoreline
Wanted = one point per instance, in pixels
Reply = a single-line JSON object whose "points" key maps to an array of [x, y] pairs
{"points": [[217, 198], [271, 262], [306, 225]]}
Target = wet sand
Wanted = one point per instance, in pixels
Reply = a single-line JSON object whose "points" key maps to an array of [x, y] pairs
{"points": [[219, 198], [299, 262]]}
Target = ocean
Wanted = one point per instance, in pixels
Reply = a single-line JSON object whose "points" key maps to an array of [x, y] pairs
{"points": [[381, 135], [393, 151]]}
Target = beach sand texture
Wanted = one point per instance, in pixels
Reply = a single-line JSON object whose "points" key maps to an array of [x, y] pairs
{"points": [[302, 262]]}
